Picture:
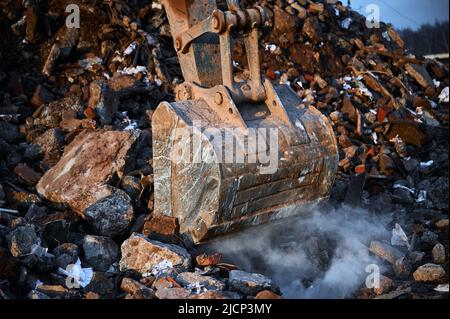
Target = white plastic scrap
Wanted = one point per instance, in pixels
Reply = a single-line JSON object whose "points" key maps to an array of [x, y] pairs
{"points": [[161, 268], [130, 48], [133, 70], [346, 86], [363, 89], [422, 197], [398, 186], [444, 96], [399, 237], [375, 137], [386, 36], [82, 276], [442, 288], [156, 5], [427, 164], [346, 23], [196, 288], [131, 124], [436, 83], [38, 283], [270, 47]]}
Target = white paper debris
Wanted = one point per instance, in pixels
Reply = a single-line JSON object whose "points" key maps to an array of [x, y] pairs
{"points": [[444, 96], [346, 23], [196, 288], [80, 276], [427, 164], [346, 86], [422, 197], [38, 283], [436, 83], [347, 78], [399, 237], [161, 268], [375, 137], [40, 251], [442, 288], [133, 70], [130, 48], [131, 124], [270, 47]]}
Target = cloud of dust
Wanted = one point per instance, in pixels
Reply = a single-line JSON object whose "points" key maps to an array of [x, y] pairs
{"points": [[323, 255]]}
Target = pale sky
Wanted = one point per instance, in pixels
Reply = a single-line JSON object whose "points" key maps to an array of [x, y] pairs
{"points": [[406, 13]]}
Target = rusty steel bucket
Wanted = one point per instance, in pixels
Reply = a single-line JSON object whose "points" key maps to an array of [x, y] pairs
{"points": [[228, 156]]}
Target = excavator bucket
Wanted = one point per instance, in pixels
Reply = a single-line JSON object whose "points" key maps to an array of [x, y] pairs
{"points": [[230, 155]]}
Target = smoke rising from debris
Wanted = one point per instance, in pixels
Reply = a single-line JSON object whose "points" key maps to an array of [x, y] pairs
{"points": [[322, 255]]}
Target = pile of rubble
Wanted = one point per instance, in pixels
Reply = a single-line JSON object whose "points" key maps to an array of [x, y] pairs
{"points": [[76, 183]]}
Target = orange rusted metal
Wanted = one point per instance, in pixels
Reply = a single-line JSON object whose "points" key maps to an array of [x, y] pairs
{"points": [[229, 155]]}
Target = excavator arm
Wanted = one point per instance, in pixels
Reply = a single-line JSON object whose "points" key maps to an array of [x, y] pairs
{"points": [[231, 154]]}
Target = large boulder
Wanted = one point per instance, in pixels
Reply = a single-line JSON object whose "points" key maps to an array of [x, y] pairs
{"points": [[82, 176]]}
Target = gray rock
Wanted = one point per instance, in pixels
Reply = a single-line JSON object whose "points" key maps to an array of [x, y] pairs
{"points": [[402, 268], [22, 240], [403, 196], [438, 193], [103, 100], [250, 283], [112, 215], [9, 132], [100, 252], [142, 255], [411, 165], [2, 193], [429, 238], [192, 280], [66, 254], [438, 253]]}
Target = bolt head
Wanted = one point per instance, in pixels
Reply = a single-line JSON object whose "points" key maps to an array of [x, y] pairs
{"points": [[218, 98]]}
